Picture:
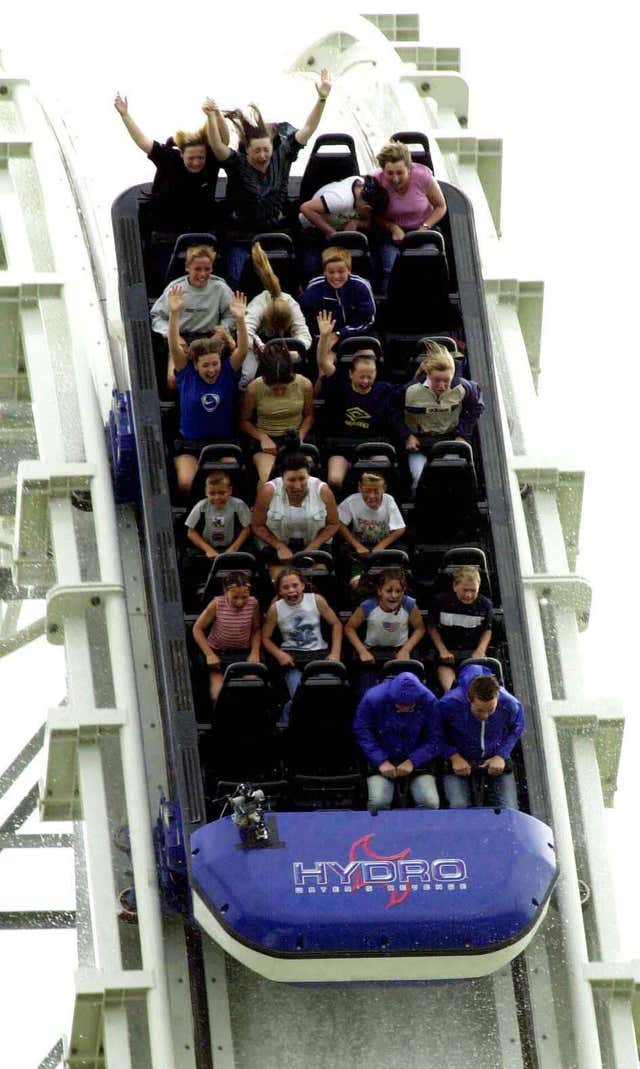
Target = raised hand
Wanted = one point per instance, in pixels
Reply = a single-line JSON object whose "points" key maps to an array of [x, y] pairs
{"points": [[238, 306], [175, 299], [324, 86], [209, 106], [121, 104], [325, 322]]}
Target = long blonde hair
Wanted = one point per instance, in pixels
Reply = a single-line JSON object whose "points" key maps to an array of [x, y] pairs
{"points": [[277, 317]]}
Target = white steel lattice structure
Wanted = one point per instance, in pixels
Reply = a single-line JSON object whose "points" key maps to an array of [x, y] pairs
{"points": [[569, 1000]]}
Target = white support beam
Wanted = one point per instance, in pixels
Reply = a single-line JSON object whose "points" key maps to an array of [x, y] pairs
{"points": [[449, 90], [66, 730], [38, 484], [602, 720], [99, 1017]]}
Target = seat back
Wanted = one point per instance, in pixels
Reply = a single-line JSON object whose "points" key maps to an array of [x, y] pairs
{"points": [[386, 465], [332, 157], [224, 564], [446, 495], [353, 343], [281, 255], [328, 792], [453, 558], [320, 735], [418, 145], [358, 245], [176, 266], [489, 662], [395, 667], [214, 458], [418, 295], [317, 568]]}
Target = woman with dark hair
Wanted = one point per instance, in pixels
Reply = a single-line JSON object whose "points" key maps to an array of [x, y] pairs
{"points": [[258, 172], [276, 402], [294, 512]]}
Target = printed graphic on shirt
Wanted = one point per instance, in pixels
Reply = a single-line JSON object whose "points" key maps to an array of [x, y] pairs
{"points": [[210, 401], [216, 532], [371, 531], [458, 619], [301, 633], [391, 625], [357, 417]]}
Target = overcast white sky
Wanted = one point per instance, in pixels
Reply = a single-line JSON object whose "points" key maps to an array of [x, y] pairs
{"points": [[557, 82]]}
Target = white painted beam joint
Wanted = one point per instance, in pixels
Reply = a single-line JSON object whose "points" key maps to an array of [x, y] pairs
{"points": [[563, 591]]}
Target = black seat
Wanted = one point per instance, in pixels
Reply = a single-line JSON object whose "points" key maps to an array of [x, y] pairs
{"points": [[358, 245], [450, 344], [385, 558], [489, 662], [332, 157], [445, 506], [176, 266], [387, 466], [395, 667], [224, 564], [244, 743], [280, 253], [346, 347], [418, 145], [320, 735], [309, 450], [317, 568], [418, 295], [458, 556], [211, 459]]}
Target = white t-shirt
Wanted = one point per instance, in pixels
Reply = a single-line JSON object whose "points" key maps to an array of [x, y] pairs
{"points": [[387, 628], [338, 201], [300, 624], [368, 525], [219, 522]]}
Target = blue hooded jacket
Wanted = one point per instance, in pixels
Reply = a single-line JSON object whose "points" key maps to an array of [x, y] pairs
{"points": [[474, 739], [384, 734], [352, 305]]}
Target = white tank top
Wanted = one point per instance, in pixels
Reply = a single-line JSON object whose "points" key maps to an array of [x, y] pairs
{"points": [[299, 624]]}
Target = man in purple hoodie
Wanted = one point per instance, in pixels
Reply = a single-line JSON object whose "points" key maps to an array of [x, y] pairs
{"points": [[481, 723], [397, 727]]}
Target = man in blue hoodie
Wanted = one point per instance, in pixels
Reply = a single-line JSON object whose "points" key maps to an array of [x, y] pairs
{"points": [[397, 727], [481, 723]]}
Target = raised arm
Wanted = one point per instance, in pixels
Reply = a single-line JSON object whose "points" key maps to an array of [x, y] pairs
{"points": [[328, 338], [311, 125], [216, 124], [238, 309], [177, 348], [121, 104]]}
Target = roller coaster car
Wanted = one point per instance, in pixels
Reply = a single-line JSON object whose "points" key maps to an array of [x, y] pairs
{"points": [[331, 892]]}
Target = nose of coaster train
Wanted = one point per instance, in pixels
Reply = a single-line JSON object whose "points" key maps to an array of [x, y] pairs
{"points": [[402, 895]]}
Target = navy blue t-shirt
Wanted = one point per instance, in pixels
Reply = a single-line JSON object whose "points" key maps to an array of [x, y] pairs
{"points": [[460, 625], [207, 411], [350, 414]]}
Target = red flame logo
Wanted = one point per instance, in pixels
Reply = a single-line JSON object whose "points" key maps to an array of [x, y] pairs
{"points": [[395, 899]]}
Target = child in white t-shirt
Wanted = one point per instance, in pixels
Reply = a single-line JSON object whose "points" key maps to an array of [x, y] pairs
{"points": [[394, 625], [369, 521], [220, 512]]}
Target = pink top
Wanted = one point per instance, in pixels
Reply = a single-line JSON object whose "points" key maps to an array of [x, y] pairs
{"points": [[409, 209], [231, 627]]}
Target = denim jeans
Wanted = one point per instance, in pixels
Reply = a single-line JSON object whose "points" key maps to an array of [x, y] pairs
{"points": [[387, 255], [417, 462], [237, 256], [500, 792], [423, 791]]}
